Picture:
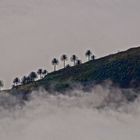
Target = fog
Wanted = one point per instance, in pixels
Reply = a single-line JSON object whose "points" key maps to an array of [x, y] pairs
{"points": [[32, 32], [101, 114]]}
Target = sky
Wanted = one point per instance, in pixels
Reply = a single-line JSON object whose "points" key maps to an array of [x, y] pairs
{"points": [[32, 32]]}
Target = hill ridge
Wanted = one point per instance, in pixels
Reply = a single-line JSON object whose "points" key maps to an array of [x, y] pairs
{"points": [[122, 68]]}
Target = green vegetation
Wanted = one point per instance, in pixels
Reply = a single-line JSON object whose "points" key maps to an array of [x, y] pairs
{"points": [[16, 81], [123, 69], [33, 76]]}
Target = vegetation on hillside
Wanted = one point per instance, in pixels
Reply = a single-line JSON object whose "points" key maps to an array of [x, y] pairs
{"points": [[31, 78], [123, 69]]}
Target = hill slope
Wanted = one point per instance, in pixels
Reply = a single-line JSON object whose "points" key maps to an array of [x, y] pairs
{"points": [[123, 69]]}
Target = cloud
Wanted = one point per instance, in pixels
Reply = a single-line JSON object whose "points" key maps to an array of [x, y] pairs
{"points": [[103, 113]]}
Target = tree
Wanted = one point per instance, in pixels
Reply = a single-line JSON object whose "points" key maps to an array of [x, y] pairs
{"points": [[28, 79], [78, 62], [24, 80], [33, 76], [1, 84], [93, 57], [88, 54], [16, 81], [64, 58], [73, 59], [39, 72], [55, 63], [44, 72]]}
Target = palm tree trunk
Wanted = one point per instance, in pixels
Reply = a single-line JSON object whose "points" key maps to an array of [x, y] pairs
{"points": [[88, 58], [54, 67], [74, 62], [64, 64]]}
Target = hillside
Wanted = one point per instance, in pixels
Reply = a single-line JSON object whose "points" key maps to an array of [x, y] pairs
{"points": [[123, 69]]}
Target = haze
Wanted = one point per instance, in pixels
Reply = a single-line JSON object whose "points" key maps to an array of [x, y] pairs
{"points": [[74, 117], [32, 32]]}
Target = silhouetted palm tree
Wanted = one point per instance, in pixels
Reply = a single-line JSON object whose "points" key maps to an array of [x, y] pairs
{"points": [[16, 81], [73, 59], [88, 54], [28, 79], [33, 76], [39, 72], [55, 63], [64, 58], [24, 80], [78, 62], [1, 84], [93, 57], [44, 73]]}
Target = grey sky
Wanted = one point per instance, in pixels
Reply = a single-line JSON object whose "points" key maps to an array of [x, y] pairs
{"points": [[32, 32]]}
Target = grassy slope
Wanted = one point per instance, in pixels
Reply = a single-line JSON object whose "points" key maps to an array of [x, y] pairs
{"points": [[122, 68]]}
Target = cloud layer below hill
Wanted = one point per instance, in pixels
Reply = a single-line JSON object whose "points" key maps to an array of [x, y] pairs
{"points": [[100, 114]]}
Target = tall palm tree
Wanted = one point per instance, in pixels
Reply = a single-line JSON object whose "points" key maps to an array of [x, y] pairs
{"points": [[64, 58], [88, 54], [1, 84], [33, 76], [73, 59], [55, 63], [39, 72], [16, 81]]}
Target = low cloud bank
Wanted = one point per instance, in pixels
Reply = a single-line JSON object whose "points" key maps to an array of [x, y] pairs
{"points": [[104, 113]]}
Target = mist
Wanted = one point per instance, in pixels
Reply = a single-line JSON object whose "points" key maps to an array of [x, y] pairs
{"points": [[101, 114], [32, 32]]}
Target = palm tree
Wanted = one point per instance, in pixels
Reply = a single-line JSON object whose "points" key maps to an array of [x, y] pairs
{"points": [[44, 72], [1, 84], [24, 80], [78, 62], [88, 54], [33, 76], [16, 81], [64, 58], [93, 57], [28, 79], [39, 72], [73, 59], [55, 63]]}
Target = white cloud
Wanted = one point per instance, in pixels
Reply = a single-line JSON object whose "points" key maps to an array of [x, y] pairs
{"points": [[73, 116]]}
